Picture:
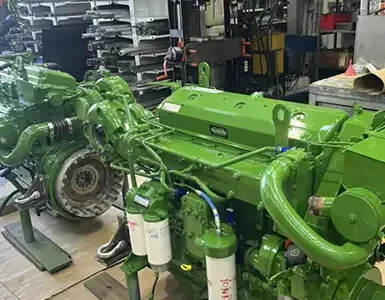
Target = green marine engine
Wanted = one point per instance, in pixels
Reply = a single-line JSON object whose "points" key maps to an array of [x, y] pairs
{"points": [[41, 130], [251, 198]]}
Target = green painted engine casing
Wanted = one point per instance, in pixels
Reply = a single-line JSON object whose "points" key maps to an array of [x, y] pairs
{"points": [[233, 117], [287, 178], [41, 127], [196, 221]]}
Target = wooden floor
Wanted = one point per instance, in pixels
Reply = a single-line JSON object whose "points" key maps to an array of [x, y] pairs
{"points": [[20, 280]]}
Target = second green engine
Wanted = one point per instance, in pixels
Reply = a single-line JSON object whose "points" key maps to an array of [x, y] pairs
{"points": [[251, 198], [41, 131]]}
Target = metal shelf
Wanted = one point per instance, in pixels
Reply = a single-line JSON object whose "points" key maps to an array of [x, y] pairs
{"points": [[58, 12], [33, 18], [153, 37], [144, 49], [50, 4]]}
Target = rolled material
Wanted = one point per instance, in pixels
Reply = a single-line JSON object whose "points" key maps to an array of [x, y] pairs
{"points": [[371, 83]]}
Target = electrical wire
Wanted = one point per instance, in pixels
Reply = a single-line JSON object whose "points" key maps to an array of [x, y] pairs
{"points": [[152, 297], [291, 78], [6, 200]]}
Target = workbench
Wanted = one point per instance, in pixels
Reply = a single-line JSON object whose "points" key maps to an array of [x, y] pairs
{"points": [[338, 92]]}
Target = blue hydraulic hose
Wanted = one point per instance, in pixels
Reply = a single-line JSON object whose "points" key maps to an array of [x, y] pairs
{"points": [[217, 218]]}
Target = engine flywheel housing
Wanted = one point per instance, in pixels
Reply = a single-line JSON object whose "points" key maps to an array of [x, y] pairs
{"points": [[86, 186]]}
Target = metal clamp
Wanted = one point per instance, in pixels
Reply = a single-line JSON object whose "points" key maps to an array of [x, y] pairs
{"points": [[117, 248], [34, 197], [111, 244], [70, 125], [23, 200]]}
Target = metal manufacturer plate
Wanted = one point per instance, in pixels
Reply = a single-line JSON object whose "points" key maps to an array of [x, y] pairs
{"points": [[142, 201]]}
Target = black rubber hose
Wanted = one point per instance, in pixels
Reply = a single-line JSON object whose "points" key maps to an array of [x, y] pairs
{"points": [[4, 66], [7, 199], [152, 297], [53, 66]]}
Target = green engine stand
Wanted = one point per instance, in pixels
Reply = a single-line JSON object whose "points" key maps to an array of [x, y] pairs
{"points": [[131, 267], [35, 246]]}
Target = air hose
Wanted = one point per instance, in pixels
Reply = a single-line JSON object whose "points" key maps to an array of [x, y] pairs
{"points": [[24, 144], [287, 219], [33, 133]]}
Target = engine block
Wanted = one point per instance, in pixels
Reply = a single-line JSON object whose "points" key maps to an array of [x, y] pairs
{"points": [[43, 114], [248, 197]]}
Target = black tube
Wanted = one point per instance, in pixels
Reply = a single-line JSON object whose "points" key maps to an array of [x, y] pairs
{"points": [[53, 66], [6, 200], [4, 66]]}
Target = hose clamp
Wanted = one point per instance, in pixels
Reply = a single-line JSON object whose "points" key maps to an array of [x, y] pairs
{"points": [[70, 125], [51, 128]]}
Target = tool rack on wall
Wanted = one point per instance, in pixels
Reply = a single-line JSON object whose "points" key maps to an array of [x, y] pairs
{"points": [[39, 15], [130, 38]]}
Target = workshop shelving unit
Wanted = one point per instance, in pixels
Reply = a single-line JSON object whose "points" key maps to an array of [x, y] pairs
{"points": [[39, 15], [130, 38]]}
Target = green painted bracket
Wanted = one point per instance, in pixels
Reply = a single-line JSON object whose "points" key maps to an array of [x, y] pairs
{"points": [[133, 264], [204, 74], [173, 85], [281, 119]]}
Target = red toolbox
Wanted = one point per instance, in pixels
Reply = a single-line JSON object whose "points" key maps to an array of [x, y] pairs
{"points": [[329, 21]]}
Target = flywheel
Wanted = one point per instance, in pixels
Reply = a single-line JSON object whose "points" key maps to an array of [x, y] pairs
{"points": [[86, 186]]}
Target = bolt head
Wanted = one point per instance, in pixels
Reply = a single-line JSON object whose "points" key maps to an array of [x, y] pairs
{"points": [[352, 218]]}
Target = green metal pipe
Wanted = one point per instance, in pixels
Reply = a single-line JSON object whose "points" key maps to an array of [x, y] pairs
{"points": [[119, 168], [224, 164], [197, 135], [126, 102], [202, 186], [149, 175], [131, 166], [154, 154], [239, 158], [149, 161], [318, 249], [127, 170], [24, 144]]}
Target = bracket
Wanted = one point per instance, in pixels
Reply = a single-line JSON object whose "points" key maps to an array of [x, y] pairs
{"points": [[118, 248], [281, 119], [35, 246], [30, 242], [204, 74]]}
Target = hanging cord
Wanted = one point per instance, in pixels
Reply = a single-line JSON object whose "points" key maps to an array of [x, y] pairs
{"points": [[291, 79], [152, 297], [4, 204], [165, 74]]}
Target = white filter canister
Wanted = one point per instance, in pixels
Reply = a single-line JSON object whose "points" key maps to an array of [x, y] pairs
{"points": [[135, 223], [221, 278], [158, 242]]}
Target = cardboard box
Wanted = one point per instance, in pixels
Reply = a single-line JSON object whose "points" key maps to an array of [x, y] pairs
{"points": [[335, 59]]}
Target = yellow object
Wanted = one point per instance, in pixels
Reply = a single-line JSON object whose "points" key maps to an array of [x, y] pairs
{"points": [[215, 13], [186, 268], [274, 44]]}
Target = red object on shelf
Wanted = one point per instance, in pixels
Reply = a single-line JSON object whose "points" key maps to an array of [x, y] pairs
{"points": [[350, 70], [329, 21]]}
